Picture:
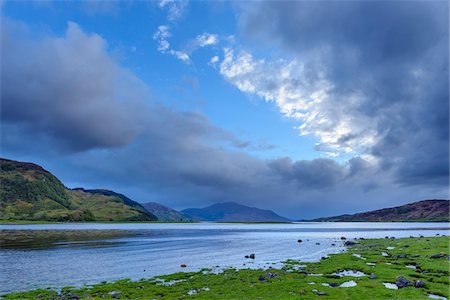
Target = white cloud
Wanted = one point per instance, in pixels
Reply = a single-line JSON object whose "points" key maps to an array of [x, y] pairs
{"points": [[161, 36], [302, 91], [207, 39], [175, 8], [214, 60], [183, 56]]}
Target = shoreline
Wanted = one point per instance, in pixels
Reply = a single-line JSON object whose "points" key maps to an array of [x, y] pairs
{"points": [[296, 279]]}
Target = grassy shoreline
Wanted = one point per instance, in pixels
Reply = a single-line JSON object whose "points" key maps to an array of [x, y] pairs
{"points": [[408, 257]]}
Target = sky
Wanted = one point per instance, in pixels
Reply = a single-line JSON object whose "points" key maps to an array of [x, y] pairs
{"points": [[308, 108]]}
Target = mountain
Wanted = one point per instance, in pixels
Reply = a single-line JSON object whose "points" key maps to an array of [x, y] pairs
{"points": [[29, 192], [233, 212], [166, 214], [422, 211]]}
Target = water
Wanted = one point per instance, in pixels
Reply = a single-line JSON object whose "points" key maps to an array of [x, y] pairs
{"points": [[156, 249]]}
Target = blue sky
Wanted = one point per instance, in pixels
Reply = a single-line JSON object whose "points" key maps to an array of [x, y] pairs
{"points": [[306, 108]]}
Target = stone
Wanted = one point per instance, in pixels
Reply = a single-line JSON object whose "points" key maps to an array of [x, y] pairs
{"points": [[419, 284], [183, 266], [334, 284], [373, 276], [299, 241], [403, 282], [439, 255]]}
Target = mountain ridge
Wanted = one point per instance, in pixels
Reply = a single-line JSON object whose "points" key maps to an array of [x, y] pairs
{"points": [[30, 192], [165, 213], [233, 212], [435, 210]]}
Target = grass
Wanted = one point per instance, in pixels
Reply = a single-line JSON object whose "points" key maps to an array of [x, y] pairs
{"points": [[291, 281]]}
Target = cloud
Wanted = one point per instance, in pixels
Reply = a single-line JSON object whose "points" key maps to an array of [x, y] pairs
{"points": [[74, 109], [367, 78], [161, 36], [207, 39], [69, 90], [175, 8]]}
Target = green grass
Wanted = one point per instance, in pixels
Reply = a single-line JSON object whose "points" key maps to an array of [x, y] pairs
{"points": [[289, 283]]}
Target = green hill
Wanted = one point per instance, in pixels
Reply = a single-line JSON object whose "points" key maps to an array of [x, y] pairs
{"points": [[422, 211], [166, 214], [29, 192]]}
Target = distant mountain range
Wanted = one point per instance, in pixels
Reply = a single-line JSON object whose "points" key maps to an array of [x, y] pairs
{"points": [[233, 212], [422, 211], [29, 192], [166, 214]]}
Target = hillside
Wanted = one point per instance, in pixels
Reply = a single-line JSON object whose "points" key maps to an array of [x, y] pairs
{"points": [[166, 214], [29, 192], [233, 212], [422, 211]]}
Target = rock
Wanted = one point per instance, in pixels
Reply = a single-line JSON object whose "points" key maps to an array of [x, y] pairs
{"points": [[349, 243], [317, 243], [299, 241], [334, 284], [323, 258], [401, 256], [333, 244], [252, 256], [183, 266], [439, 255], [302, 271], [419, 284], [272, 275], [343, 238], [114, 294], [262, 278], [373, 276], [322, 293], [246, 256], [403, 282], [302, 292]]}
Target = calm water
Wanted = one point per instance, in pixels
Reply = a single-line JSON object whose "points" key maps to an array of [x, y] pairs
{"points": [[157, 249]]}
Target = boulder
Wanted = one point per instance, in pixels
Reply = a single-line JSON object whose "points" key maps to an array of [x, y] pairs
{"points": [[419, 284], [403, 282]]}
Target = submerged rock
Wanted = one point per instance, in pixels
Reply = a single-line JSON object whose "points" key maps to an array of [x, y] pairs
{"points": [[403, 282]]}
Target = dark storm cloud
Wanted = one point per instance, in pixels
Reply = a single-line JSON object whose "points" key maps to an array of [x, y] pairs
{"points": [[76, 111], [388, 64], [67, 90]]}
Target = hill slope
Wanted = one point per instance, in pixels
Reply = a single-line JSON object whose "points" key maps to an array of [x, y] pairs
{"points": [[422, 211], [233, 212], [29, 192], [166, 214]]}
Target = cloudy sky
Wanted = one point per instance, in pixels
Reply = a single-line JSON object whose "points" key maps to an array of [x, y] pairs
{"points": [[308, 108]]}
